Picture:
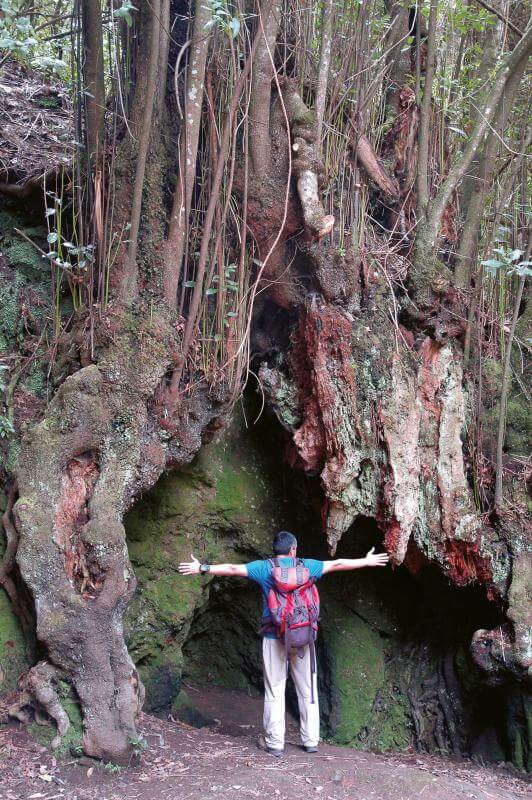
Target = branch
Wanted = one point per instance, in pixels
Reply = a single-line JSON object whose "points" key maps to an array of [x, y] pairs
{"points": [[498, 14], [129, 285], [437, 206], [93, 76], [366, 155], [325, 60], [483, 175], [506, 381], [174, 246], [261, 88], [425, 112], [211, 208]]}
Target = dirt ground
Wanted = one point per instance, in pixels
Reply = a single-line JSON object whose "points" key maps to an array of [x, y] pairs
{"points": [[222, 760]]}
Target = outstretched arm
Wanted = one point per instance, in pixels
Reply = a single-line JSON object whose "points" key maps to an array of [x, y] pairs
{"points": [[226, 570], [371, 560]]}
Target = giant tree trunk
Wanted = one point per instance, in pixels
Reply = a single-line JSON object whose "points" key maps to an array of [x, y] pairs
{"points": [[96, 449], [365, 377]]}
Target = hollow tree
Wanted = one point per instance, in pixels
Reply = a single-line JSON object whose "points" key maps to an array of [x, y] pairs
{"points": [[218, 213]]}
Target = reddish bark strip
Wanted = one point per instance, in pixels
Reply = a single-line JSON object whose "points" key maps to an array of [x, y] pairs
{"points": [[77, 484]]}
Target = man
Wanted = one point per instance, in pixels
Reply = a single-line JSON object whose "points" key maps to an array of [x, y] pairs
{"points": [[273, 651]]}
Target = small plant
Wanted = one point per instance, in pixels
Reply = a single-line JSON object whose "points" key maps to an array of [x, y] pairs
{"points": [[221, 16], [49, 65], [139, 744], [124, 12], [113, 769], [509, 260], [6, 427], [16, 33]]}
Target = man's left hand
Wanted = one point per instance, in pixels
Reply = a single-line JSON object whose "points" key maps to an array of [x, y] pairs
{"points": [[377, 559]]}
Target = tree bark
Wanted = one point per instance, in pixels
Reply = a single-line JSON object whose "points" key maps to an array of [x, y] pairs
{"points": [[174, 246], [129, 283], [425, 113], [325, 60], [93, 76], [261, 88]]}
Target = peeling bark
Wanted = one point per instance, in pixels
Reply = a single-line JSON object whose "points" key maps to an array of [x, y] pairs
{"points": [[400, 417]]}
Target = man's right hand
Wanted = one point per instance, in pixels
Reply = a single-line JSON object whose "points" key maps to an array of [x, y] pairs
{"points": [[189, 567]]}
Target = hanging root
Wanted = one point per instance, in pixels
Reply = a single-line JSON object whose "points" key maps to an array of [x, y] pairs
{"points": [[7, 564], [307, 163]]}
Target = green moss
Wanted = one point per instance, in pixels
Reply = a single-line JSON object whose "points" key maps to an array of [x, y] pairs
{"points": [[21, 254], [518, 435], [355, 659], [72, 741], [219, 508], [12, 646], [391, 723]]}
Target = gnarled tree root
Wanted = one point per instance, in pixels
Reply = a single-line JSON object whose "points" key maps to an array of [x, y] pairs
{"points": [[40, 682], [37, 692]]}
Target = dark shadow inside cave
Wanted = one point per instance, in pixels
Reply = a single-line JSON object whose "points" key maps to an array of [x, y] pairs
{"points": [[412, 632]]}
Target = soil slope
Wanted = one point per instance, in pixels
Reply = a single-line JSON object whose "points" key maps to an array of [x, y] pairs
{"points": [[187, 763]]}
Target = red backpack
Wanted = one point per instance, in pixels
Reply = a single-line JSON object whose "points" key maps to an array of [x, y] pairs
{"points": [[294, 606]]}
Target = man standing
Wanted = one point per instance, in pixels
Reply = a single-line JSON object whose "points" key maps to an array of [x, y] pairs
{"points": [[273, 650]]}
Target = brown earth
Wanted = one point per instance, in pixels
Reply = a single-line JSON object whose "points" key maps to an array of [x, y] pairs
{"points": [[223, 761]]}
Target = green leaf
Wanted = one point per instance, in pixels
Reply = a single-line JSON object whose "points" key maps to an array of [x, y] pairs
{"points": [[189, 284], [124, 12], [52, 237], [522, 270]]}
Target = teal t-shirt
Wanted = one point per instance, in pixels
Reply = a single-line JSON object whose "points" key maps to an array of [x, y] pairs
{"points": [[261, 573]]}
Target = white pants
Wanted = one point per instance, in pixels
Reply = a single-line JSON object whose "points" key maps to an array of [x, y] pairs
{"points": [[274, 660]]}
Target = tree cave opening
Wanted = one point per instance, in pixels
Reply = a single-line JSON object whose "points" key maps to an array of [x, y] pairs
{"points": [[395, 670]]}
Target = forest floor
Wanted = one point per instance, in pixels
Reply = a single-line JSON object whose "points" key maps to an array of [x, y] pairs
{"points": [[188, 763]]}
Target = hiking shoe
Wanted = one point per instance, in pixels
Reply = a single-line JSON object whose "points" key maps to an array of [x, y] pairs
{"points": [[272, 751], [310, 748]]}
